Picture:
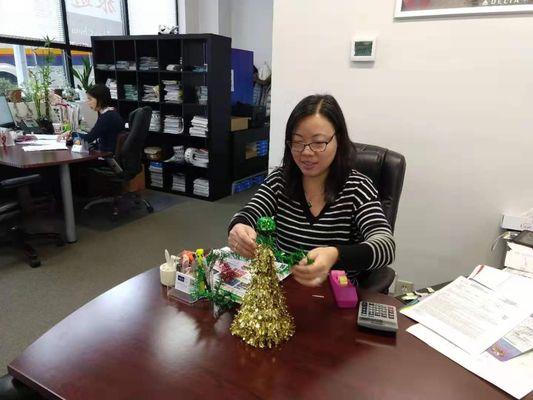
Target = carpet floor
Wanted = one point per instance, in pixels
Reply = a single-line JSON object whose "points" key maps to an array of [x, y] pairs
{"points": [[34, 300]]}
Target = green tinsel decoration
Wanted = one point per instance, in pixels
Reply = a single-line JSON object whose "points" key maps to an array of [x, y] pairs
{"points": [[221, 298], [266, 226]]}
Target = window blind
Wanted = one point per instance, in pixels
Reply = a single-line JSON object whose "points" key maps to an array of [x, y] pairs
{"points": [[32, 19]]}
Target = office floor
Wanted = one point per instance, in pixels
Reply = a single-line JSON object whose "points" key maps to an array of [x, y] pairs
{"points": [[33, 300]]}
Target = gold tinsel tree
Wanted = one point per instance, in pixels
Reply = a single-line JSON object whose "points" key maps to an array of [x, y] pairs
{"points": [[263, 319]]}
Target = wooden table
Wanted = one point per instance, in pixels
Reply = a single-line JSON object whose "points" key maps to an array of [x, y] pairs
{"points": [[15, 156], [132, 342]]}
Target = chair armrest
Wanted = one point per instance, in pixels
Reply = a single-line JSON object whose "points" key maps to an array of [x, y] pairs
{"points": [[114, 165], [379, 280], [121, 138], [13, 183]]}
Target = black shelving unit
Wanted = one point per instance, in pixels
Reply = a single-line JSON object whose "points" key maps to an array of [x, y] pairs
{"points": [[213, 53]]}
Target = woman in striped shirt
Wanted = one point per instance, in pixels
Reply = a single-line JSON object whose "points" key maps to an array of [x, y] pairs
{"points": [[320, 204]]}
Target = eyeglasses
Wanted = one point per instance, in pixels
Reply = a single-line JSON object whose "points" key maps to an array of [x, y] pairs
{"points": [[299, 147]]}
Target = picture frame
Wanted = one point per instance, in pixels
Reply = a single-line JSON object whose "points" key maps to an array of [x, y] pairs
{"points": [[435, 8]]}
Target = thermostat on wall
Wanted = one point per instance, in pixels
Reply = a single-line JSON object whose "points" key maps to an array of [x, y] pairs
{"points": [[363, 48]]}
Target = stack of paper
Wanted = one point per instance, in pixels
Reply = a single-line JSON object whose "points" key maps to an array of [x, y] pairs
{"points": [[150, 93], [201, 94], [125, 65], [45, 145], [178, 182], [148, 63], [201, 187], [173, 124], [130, 92], [481, 322], [173, 91], [155, 121], [106, 67], [199, 126]]}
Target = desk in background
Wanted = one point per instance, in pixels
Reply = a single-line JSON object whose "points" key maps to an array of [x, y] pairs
{"points": [[132, 342], [15, 156]]}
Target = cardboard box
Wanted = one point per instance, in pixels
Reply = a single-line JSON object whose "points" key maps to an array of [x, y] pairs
{"points": [[239, 123]]}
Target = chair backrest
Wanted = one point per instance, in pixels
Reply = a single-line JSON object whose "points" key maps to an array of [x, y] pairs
{"points": [[130, 156], [386, 168]]}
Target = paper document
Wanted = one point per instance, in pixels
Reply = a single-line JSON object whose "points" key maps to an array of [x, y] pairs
{"points": [[488, 276], [516, 342], [519, 257], [43, 142], [51, 146], [470, 315], [514, 376], [45, 137], [518, 272]]}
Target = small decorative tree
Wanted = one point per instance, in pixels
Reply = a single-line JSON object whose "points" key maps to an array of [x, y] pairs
{"points": [[263, 319]]}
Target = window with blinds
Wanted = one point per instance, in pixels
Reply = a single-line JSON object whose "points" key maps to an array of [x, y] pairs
{"points": [[94, 18], [32, 19]]}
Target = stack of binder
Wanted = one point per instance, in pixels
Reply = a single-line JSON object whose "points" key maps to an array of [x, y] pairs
{"points": [[156, 174]]}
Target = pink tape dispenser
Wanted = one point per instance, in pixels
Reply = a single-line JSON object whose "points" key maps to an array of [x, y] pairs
{"points": [[343, 290]]}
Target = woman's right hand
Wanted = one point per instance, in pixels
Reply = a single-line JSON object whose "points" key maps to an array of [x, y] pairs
{"points": [[241, 240], [64, 136]]}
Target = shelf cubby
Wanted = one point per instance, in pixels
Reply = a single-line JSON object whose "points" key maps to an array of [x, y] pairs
{"points": [[210, 55]]}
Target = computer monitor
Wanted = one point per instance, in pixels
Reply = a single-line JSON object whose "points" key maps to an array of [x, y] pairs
{"points": [[6, 118]]}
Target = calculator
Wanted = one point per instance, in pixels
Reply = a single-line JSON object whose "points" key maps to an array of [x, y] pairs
{"points": [[381, 317]]}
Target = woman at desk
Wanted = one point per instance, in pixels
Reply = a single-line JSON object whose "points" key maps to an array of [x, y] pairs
{"points": [[109, 123], [103, 134], [321, 205]]}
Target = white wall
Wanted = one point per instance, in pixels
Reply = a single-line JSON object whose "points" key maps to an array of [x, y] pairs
{"points": [[251, 28], [208, 16], [454, 95], [144, 18], [247, 22], [188, 16], [224, 18]]}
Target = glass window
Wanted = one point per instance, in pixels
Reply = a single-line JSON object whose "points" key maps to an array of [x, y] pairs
{"points": [[36, 56], [32, 19], [79, 58], [8, 72], [86, 18], [17, 61], [145, 19]]}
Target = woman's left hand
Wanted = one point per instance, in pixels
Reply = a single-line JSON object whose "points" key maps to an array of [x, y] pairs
{"points": [[316, 273]]}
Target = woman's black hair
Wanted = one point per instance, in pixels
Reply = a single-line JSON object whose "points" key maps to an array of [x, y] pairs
{"points": [[102, 95], [340, 168]]}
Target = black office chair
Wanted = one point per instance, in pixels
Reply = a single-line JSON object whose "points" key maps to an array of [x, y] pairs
{"points": [[10, 211], [386, 168], [127, 162], [11, 389]]}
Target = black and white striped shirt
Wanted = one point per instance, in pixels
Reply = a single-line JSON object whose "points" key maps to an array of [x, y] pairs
{"points": [[354, 223]]}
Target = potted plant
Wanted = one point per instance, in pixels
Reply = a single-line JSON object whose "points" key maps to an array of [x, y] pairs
{"points": [[38, 87], [84, 77]]}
